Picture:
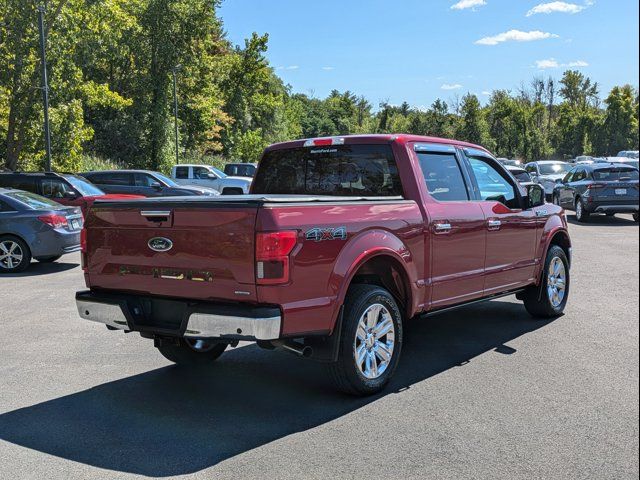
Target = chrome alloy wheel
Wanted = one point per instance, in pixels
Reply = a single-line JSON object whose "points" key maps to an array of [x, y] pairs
{"points": [[579, 209], [374, 342], [556, 282], [11, 254]]}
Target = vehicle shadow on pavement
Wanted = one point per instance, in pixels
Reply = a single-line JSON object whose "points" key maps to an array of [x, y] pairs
{"points": [[37, 268], [618, 221], [170, 421]]}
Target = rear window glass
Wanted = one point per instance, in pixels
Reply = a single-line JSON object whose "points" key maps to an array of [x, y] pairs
{"points": [[33, 201], [615, 174], [345, 170]]}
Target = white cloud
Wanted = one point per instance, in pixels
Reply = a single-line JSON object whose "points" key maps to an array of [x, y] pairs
{"points": [[486, 92], [548, 63], [553, 63], [516, 36], [557, 7], [449, 86], [328, 68], [578, 63], [464, 4]]}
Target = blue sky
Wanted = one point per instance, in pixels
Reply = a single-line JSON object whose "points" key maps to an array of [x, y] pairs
{"points": [[419, 50]]}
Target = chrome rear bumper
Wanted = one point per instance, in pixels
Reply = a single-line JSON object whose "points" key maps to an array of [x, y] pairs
{"points": [[201, 320]]}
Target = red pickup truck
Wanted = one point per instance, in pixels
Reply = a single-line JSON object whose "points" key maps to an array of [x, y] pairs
{"points": [[340, 241]]}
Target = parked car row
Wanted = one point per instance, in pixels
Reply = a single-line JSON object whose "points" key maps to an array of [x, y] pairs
{"points": [[32, 226], [606, 188]]}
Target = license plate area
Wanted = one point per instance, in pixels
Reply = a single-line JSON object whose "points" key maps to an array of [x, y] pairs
{"points": [[621, 191], [157, 313]]}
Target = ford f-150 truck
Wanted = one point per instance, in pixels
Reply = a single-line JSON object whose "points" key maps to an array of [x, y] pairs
{"points": [[340, 242]]}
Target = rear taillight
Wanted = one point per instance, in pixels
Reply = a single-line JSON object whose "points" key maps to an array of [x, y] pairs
{"points": [[593, 186], [324, 142], [55, 221], [272, 256]]}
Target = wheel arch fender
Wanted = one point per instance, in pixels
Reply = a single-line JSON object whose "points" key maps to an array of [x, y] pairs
{"points": [[555, 232], [369, 246]]}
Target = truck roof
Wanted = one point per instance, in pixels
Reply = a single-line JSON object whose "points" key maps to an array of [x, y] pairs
{"points": [[379, 139]]}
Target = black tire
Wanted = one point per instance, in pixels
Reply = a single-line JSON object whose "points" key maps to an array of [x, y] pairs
{"points": [[582, 215], [48, 259], [7, 242], [345, 373], [537, 299], [556, 200], [232, 191], [185, 354]]}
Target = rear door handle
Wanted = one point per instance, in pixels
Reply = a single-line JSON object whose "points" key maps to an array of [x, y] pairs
{"points": [[494, 224], [443, 227]]}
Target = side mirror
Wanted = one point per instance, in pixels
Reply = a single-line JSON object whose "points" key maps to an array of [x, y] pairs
{"points": [[71, 195], [156, 185], [211, 176], [535, 196]]}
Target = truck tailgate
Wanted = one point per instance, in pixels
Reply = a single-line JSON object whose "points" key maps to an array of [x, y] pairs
{"points": [[182, 249]]}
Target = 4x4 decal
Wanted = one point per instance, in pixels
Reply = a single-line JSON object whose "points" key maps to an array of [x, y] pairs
{"points": [[320, 234]]}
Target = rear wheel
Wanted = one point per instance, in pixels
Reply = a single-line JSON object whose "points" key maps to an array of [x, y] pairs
{"points": [[556, 199], [581, 212], [48, 259], [192, 352], [370, 342], [549, 299], [15, 255]]}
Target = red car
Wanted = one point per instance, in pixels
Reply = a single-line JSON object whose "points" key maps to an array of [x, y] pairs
{"points": [[340, 242], [66, 189]]}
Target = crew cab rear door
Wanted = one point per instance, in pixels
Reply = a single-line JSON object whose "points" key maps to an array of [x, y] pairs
{"points": [[511, 231], [455, 236]]}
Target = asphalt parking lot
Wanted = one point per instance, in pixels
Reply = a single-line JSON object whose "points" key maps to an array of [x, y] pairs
{"points": [[484, 392]]}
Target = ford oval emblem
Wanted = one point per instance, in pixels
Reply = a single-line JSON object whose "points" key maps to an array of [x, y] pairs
{"points": [[160, 244]]}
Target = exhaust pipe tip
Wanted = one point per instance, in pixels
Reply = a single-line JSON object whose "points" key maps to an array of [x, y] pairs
{"points": [[295, 348]]}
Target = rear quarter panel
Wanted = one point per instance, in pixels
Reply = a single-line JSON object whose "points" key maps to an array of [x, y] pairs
{"points": [[322, 269]]}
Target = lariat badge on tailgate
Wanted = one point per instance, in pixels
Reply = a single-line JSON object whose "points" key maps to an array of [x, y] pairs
{"points": [[160, 244]]}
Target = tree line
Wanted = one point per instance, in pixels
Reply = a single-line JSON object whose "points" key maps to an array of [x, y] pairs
{"points": [[111, 63]]}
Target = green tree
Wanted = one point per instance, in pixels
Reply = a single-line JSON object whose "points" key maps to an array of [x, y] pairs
{"points": [[621, 120]]}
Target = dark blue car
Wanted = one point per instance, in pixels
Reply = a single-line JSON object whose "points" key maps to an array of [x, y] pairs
{"points": [[607, 188], [32, 226]]}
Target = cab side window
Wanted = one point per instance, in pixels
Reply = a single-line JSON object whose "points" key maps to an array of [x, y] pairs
{"points": [[54, 188], [580, 175], [443, 177], [493, 184], [201, 173], [182, 173], [145, 180], [569, 176]]}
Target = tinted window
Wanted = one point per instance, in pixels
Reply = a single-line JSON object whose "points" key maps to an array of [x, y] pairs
{"points": [[569, 176], [348, 170], [182, 172], [531, 168], [5, 207], [443, 177], [20, 182], [615, 174], [33, 201], [111, 178], [493, 184]]}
